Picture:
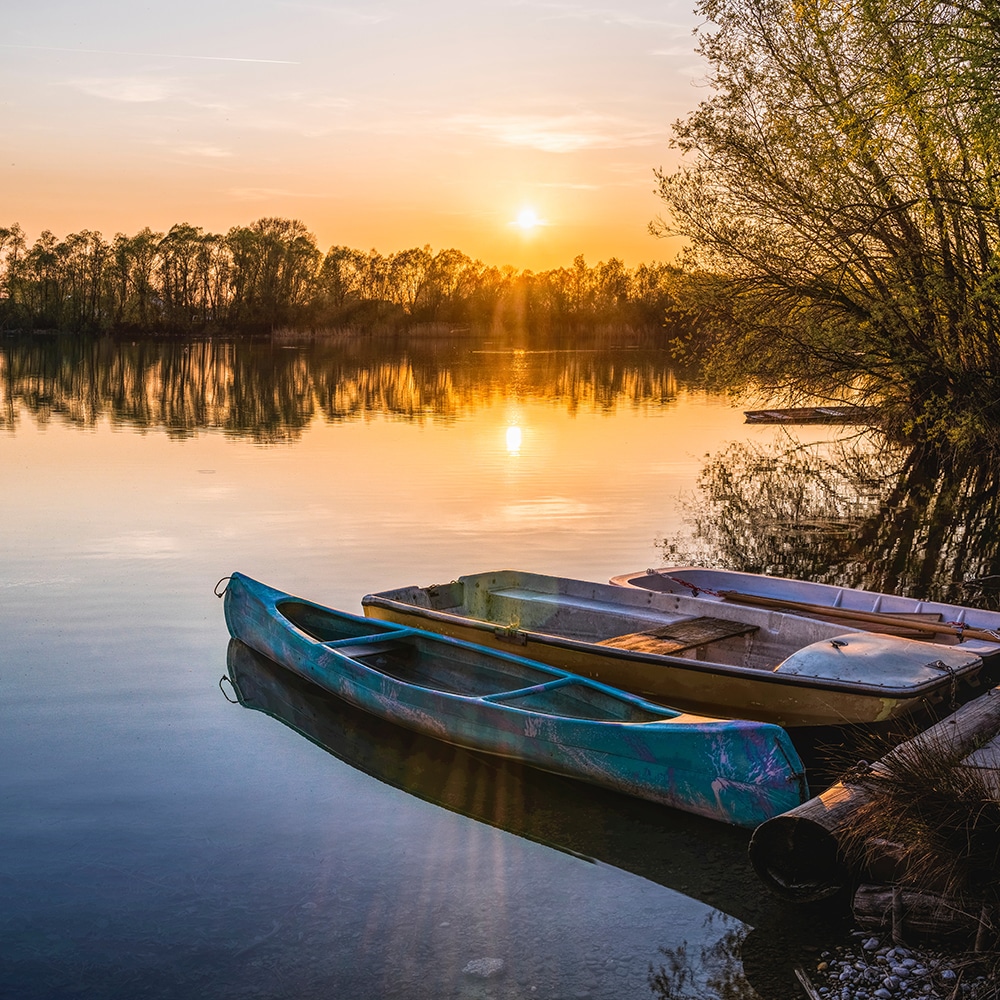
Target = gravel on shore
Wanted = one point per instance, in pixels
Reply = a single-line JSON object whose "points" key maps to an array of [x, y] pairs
{"points": [[872, 968]]}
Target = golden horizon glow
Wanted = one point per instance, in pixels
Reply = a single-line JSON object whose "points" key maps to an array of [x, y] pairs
{"points": [[390, 127]]}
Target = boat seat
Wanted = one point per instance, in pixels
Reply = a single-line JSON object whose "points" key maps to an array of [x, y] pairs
{"points": [[689, 633]]}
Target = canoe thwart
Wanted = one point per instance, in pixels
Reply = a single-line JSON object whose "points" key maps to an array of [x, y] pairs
{"points": [[678, 636]]}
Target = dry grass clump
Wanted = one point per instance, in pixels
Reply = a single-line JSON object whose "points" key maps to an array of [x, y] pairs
{"points": [[931, 823]]}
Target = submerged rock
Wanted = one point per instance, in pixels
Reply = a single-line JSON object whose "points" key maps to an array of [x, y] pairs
{"points": [[486, 968]]}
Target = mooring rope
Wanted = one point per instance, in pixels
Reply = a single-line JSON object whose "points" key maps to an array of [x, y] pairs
{"points": [[693, 587]]}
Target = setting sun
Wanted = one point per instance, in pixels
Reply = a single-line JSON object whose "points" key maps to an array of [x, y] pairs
{"points": [[528, 219]]}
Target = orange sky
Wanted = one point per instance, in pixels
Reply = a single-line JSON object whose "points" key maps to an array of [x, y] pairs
{"points": [[378, 124]]}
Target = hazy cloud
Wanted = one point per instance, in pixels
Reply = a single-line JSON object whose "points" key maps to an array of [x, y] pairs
{"points": [[556, 133], [312, 99], [675, 50], [330, 103], [211, 152], [570, 185], [132, 89], [346, 15], [266, 193], [603, 15], [149, 55]]}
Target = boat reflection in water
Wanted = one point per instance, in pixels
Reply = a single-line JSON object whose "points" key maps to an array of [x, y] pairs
{"points": [[702, 859]]}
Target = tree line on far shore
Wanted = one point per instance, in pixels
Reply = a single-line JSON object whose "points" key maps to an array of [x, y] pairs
{"points": [[271, 275]]}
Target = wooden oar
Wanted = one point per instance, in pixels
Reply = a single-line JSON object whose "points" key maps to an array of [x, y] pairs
{"points": [[872, 617]]}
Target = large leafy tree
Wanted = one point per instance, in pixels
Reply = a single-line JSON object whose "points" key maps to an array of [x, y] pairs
{"points": [[840, 196]]}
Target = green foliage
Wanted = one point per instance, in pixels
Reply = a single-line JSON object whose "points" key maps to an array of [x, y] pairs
{"points": [[842, 204]]}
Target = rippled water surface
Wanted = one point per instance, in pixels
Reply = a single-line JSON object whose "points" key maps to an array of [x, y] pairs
{"points": [[157, 840]]}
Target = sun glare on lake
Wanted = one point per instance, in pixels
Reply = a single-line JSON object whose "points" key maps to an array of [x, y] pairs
{"points": [[513, 440]]}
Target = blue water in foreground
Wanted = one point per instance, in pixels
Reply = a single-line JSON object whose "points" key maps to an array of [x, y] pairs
{"points": [[158, 841]]}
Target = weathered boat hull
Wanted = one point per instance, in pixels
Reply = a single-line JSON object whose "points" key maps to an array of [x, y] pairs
{"points": [[548, 619], [733, 771], [711, 585]]}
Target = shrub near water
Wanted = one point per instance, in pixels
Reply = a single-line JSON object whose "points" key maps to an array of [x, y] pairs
{"points": [[839, 198]]}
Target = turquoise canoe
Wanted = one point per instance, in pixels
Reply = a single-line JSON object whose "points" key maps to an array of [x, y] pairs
{"points": [[735, 771]]}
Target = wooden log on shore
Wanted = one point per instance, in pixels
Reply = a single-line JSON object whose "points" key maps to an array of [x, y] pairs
{"points": [[799, 856], [913, 914]]}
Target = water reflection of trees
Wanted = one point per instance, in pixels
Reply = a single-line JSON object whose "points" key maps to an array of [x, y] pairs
{"points": [[716, 970], [858, 512], [271, 391]]}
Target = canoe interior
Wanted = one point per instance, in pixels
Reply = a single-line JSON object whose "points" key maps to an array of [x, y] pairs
{"points": [[477, 674], [473, 673], [761, 642], [326, 627]]}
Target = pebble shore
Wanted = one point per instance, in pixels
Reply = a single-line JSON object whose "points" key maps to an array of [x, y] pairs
{"points": [[873, 969]]}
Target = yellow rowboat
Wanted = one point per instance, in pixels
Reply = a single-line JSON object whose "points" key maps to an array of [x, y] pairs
{"points": [[723, 659]]}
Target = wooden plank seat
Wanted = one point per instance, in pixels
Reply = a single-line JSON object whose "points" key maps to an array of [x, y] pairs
{"points": [[688, 633]]}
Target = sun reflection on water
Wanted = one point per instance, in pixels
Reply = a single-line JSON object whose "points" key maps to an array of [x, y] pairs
{"points": [[514, 440]]}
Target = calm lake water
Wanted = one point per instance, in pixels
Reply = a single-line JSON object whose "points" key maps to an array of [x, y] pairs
{"points": [[157, 840]]}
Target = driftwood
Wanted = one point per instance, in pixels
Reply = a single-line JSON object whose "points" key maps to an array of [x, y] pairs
{"points": [[798, 855], [912, 914], [806, 983]]}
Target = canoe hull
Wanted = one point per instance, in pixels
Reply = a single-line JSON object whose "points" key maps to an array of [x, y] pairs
{"points": [[692, 683], [737, 772]]}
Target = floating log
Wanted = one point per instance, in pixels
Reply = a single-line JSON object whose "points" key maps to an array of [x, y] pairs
{"points": [[813, 415], [798, 854]]}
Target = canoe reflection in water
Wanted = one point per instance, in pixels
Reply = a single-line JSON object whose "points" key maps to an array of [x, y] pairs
{"points": [[698, 857]]}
